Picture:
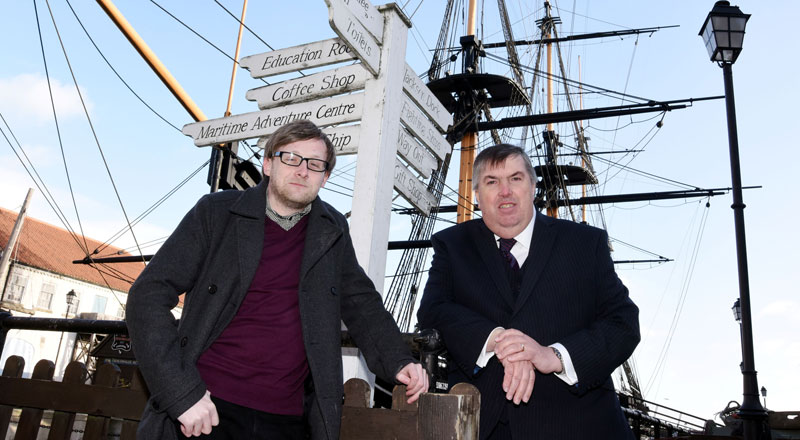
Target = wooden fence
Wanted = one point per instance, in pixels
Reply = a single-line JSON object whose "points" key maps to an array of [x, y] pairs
{"points": [[453, 416]]}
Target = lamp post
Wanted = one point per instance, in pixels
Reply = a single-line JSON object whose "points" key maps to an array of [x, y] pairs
{"points": [[723, 35], [71, 295]]}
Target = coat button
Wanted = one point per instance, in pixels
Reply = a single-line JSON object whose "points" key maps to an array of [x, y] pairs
{"points": [[184, 341], [212, 289], [333, 290]]}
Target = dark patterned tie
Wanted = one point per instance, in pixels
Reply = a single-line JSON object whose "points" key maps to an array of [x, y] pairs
{"points": [[505, 248]]}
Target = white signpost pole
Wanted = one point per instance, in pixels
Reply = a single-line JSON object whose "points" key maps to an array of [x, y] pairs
{"points": [[372, 195], [380, 128]]}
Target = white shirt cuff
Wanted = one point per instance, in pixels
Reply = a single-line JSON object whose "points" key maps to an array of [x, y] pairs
{"points": [[486, 356], [569, 375]]}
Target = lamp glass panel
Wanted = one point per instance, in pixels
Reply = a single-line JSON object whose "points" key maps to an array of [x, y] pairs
{"points": [[738, 23], [720, 23], [708, 33], [737, 38], [723, 39], [728, 55]]}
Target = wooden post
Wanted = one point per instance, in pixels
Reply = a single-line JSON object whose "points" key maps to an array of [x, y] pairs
{"points": [[5, 258], [129, 426], [29, 420], [107, 375], [61, 426], [13, 368], [450, 416]]}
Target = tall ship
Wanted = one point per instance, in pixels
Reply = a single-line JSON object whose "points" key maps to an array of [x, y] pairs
{"points": [[591, 92]]}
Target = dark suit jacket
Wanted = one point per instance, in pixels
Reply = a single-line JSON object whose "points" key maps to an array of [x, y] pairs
{"points": [[570, 294], [213, 255]]}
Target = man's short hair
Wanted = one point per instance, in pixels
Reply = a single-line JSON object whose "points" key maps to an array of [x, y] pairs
{"points": [[300, 130], [496, 155]]}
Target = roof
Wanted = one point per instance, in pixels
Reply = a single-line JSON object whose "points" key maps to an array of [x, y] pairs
{"points": [[51, 248]]}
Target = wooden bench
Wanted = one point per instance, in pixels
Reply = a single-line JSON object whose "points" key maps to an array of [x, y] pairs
{"points": [[434, 416]]}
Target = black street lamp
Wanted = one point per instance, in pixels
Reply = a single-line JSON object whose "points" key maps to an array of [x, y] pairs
{"points": [[71, 295], [723, 35]]}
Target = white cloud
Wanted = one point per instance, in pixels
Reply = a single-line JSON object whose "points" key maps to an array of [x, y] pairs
{"points": [[29, 96]]}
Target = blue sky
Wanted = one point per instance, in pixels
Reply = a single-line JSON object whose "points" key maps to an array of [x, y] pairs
{"points": [[699, 373]]}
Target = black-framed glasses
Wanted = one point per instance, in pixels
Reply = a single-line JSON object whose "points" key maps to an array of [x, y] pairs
{"points": [[294, 160]]}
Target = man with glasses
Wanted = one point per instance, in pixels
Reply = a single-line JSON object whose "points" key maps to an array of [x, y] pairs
{"points": [[269, 274]]}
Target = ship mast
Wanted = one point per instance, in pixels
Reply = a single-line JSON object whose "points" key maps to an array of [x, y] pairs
{"points": [[469, 141], [547, 24]]}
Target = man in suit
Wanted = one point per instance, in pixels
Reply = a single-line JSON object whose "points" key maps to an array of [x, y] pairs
{"points": [[531, 311], [269, 274]]}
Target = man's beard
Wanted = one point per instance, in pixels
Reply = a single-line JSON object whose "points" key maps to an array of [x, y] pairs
{"points": [[290, 200]]}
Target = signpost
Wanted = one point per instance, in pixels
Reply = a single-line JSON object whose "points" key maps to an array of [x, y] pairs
{"points": [[319, 85], [412, 189], [422, 95], [365, 13], [351, 30], [325, 112], [345, 138], [423, 129], [416, 154], [292, 59]]}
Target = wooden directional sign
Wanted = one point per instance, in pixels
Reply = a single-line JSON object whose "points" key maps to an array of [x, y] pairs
{"points": [[421, 94], [291, 59], [345, 138], [324, 112], [350, 29], [423, 129], [417, 156], [318, 85], [366, 14], [412, 189]]}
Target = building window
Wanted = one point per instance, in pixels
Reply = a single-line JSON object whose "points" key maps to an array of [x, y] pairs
{"points": [[46, 296], [16, 288], [99, 304]]}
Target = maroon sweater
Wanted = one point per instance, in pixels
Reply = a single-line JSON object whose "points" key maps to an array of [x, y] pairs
{"points": [[259, 360]]}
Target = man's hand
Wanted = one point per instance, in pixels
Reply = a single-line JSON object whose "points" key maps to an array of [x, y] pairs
{"points": [[518, 380], [515, 346], [199, 418], [414, 377]]}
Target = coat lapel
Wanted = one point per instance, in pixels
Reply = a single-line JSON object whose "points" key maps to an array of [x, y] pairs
{"points": [[484, 240], [542, 241], [321, 234], [250, 210]]}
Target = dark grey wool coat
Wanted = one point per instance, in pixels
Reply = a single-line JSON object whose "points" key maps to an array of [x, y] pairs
{"points": [[212, 256]]}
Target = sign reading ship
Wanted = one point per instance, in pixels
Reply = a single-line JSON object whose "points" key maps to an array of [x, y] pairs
{"points": [[291, 59], [345, 138], [324, 112]]}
